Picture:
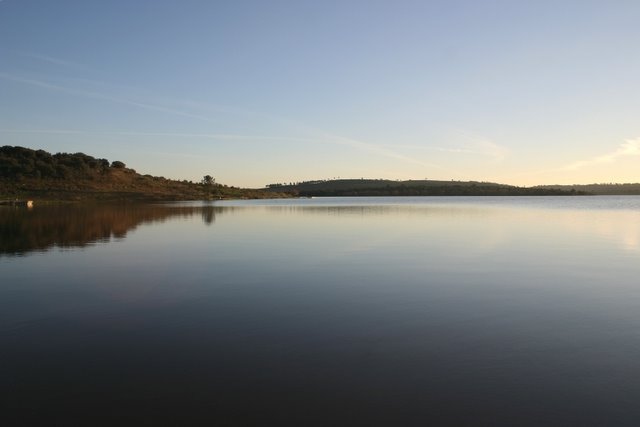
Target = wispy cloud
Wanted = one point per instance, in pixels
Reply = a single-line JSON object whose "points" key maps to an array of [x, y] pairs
{"points": [[45, 131], [474, 143], [432, 148], [381, 150], [220, 136], [316, 136], [100, 96], [324, 139], [455, 150], [630, 147], [52, 60], [466, 143]]}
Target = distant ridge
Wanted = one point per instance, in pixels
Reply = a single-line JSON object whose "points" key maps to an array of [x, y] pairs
{"points": [[383, 187], [630, 189]]}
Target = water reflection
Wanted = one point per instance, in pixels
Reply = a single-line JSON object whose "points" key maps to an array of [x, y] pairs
{"points": [[438, 312], [474, 224], [76, 226]]}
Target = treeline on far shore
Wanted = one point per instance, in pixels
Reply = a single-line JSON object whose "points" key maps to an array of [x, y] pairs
{"points": [[379, 187], [611, 189]]}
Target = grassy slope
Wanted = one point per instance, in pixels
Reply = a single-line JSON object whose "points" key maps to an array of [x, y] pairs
{"points": [[26, 173], [121, 184]]}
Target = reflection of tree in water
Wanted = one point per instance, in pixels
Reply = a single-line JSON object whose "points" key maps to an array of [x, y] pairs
{"points": [[208, 215], [23, 231]]}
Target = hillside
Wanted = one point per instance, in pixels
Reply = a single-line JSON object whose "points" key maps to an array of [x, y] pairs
{"points": [[381, 187], [600, 189], [37, 174]]}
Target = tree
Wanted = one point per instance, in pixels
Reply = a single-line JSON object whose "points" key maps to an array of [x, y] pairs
{"points": [[118, 164], [207, 180]]}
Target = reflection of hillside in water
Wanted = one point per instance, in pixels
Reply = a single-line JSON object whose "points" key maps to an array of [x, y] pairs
{"points": [[23, 231], [442, 210]]}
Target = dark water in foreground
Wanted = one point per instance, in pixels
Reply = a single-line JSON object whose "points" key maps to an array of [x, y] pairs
{"points": [[401, 311]]}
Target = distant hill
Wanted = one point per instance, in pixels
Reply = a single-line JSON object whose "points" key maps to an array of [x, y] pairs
{"points": [[382, 187], [600, 189], [37, 174]]}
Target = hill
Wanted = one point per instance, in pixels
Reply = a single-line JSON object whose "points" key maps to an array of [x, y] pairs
{"points": [[37, 174], [382, 187], [600, 189]]}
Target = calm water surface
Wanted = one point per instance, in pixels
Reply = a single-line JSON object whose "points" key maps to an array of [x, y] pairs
{"points": [[354, 311]]}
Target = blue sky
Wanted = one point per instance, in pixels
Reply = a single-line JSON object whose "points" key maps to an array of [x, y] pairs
{"points": [[257, 92]]}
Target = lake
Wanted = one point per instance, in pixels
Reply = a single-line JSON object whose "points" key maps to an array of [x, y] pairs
{"points": [[329, 311]]}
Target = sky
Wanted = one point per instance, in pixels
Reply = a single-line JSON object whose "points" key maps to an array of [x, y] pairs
{"points": [[260, 92]]}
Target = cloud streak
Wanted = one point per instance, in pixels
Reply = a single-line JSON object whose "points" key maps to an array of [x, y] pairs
{"points": [[381, 150], [319, 137], [51, 60], [100, 96], [325, 139], [630, 147], [223, 136], [481, 145]]}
